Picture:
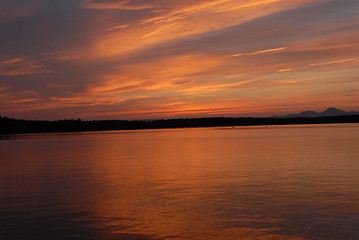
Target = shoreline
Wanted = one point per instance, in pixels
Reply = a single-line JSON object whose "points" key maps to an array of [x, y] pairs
{"points": [[14, 126]]}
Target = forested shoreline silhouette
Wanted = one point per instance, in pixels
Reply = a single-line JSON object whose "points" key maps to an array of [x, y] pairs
{"points": [[16, 126]]}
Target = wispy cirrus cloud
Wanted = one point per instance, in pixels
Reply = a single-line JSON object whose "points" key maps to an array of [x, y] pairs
{"points": [[116, 27], [113, 4], [17, 10], [153, 58], [259, 52], [335, 62], [21, 66], [179, 20]]}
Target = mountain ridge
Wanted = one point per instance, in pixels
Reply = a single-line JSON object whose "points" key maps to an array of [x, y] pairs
{"points": [[329, 112]]}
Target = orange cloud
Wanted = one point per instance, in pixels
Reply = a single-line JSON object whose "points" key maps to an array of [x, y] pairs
{"points": [[3, 87], [285, 70], [21, 66], [61, 56], [115, 28], [335, 62], [185, 20], [181, 13], [116, 4], [163, 73], [259, 52], [12, 11], [156, 58]]}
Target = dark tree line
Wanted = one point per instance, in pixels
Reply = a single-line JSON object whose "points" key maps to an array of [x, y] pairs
{"points": [[11, 126]]}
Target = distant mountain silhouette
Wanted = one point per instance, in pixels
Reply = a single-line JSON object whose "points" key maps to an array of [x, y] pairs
{"points": [[330, 112]]}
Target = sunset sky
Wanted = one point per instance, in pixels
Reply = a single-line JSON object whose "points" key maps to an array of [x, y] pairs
{"points": [[148, 59]]}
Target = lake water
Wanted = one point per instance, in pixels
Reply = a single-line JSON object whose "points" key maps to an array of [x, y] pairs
{"points": [[250, 183]]}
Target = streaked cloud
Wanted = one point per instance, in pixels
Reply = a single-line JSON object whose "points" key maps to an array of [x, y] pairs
{"points": [[155, 58], [259, 52], [285, 70], [17, 10], [116, 27], [113, 4], [21, 66], [335, 62], [176, 21]]}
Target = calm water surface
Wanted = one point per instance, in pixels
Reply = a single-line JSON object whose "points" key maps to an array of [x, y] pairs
{"points": [[251, 183]]}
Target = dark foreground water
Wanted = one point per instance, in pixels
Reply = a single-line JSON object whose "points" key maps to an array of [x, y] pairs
{"points": [[253, 183]]}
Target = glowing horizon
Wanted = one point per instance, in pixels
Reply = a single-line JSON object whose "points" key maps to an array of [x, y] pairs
{"points": [[136, 59]]}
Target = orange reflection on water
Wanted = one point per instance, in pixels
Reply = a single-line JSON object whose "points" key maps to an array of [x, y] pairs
{"points": [[258, 183], [180, 183]]}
